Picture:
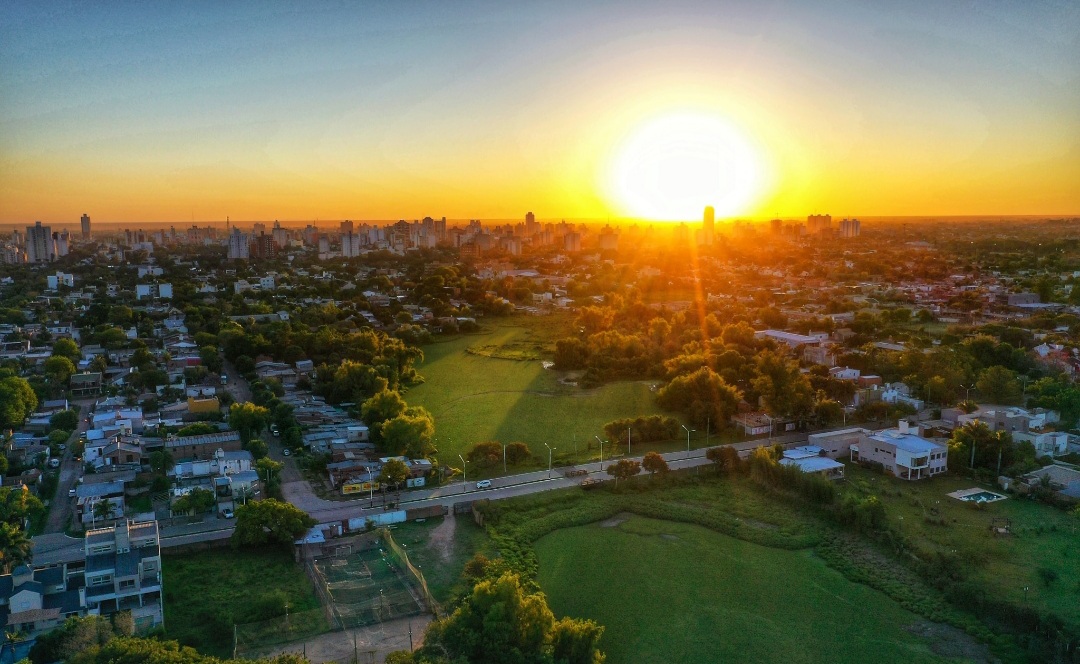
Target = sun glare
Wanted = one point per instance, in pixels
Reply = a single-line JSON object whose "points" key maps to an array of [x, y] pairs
{"points": [[671, 167]]}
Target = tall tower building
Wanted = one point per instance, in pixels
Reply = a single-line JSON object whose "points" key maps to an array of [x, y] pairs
{"points": [[85, 227], [708, 225], [239, 247], [38, 243]]}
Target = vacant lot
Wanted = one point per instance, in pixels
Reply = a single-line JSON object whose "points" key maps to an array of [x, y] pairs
{"points": [[672, 592], [1042, 538], [207, 593], [476, 394], [440, 547]]}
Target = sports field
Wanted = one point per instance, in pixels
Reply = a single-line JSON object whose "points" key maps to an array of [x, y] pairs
{"points": [[476, 394], [672, 592]]}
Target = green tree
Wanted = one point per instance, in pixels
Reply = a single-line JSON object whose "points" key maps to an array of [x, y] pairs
{"points": [[623, 469], [502, 622], [393, 473], [258, 448], [17, 401], [17, 505], [410, 433], [15, 547], [384, 405], [268, 469], [517, 453], [654, 463], [785, 391], [66, 348], [248, 419], [77, 634], [68, 420], [724, 457], [486, 454], [269, 522], [703, 395], [129, 650], [999, 385], [197, 501], [59, 369], [161, 461]]}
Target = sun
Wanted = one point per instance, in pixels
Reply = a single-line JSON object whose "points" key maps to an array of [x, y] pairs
{"points": [[674, 165]]}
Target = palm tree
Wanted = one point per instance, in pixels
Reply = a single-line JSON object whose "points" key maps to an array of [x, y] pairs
{"points": [[15, 547]]}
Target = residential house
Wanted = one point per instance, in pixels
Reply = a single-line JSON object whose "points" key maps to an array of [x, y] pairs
{"points": [[813, 460], [902, 452], [36, 601]]}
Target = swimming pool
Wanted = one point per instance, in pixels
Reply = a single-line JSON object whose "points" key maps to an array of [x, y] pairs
{"points": [[977, 496]]}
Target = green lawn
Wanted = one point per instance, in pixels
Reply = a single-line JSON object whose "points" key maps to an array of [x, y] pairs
{"points": [[479, 395], [207, 592], [441, 560], [1043, 537], [673, 592]]}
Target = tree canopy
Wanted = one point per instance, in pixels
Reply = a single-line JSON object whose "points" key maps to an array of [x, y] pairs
{"points": [[269, 522]]}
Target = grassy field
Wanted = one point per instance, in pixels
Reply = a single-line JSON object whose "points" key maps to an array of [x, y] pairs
{"points": [[207, 593], [718, 599], [1042, 537], [441, 552], [475, 394]]}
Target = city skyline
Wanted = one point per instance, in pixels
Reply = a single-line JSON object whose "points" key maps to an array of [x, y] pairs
{"points": [[485, 111]]}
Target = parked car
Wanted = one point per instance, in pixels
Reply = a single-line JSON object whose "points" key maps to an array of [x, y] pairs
{"points": [[483, 484], [287, 452], [227, 513], [71, 493], [54, 463]]}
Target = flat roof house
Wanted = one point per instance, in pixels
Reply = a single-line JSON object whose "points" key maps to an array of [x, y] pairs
{"points": [[903, 453]]}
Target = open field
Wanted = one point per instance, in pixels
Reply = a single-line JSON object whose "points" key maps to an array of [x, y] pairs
{"points": [[477, 396], [440, 547], [673, 592], [1042, 537], [207, 593]]}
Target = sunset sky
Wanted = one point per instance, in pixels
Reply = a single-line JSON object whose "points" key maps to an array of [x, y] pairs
{"points": [[385, 110]]}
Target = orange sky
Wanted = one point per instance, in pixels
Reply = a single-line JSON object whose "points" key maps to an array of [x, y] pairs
{"points": [[486, 111]]}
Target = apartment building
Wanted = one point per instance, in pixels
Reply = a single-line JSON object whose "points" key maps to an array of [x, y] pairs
{"points": [[123, 572]]}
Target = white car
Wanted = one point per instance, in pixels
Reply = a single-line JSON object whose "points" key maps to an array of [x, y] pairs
{"points": [[227, 513], [286, 452], [483, 484]]}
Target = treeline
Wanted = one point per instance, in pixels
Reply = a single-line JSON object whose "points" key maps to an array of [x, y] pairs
{"points": [[643, 429]]}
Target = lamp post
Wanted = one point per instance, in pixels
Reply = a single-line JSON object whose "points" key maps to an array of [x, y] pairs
{"points": [[601, 451], [843, 410], [371, 487], [688, 440], [627, 441], [769, 417], [550, 450], [463, 486], [967, 391], [504, 458]]}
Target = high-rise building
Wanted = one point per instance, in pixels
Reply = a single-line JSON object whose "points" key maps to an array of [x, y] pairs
{"points": [[708, 223], [263, 246], [85, 221], [850, 228], [38, 243], [239, 248], [346, 227], [819, 223], [60, 244]]}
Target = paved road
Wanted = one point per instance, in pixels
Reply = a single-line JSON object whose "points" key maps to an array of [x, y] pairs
{"points": [[504, 487], [60, 509]]}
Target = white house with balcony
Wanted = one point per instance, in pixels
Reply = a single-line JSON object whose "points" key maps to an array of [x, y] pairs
{"points": [[903, 453]]}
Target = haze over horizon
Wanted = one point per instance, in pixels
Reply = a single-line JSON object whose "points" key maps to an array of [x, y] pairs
{"points": [[587, 110]]}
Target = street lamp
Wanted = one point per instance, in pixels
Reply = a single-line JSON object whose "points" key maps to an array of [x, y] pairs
{"points": [[769, 417], [550, 450], [688, 440], [601, 451], [627, 441], [967, 391], [504, 458], [371, 487], [843, 409], [463, 462]]}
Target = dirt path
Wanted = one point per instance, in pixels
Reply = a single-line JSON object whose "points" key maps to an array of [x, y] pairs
{"points": [[442, 536], [372, 644]]}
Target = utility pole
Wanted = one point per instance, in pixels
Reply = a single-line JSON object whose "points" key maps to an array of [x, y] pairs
{"points": [[627, 441], [601, 451]]}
